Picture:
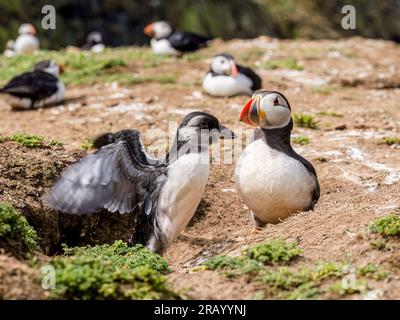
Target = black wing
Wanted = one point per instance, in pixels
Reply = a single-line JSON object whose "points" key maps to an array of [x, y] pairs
{"points": [[257, 82], [132, 137], [110, 178], [187, 41], [35, 85]]}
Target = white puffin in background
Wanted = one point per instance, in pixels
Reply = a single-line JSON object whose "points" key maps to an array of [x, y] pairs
{"points": [[226, 78], [10, 50], [94, 42], [38, 88], [167, 41], [27, 42], [273, 180]]}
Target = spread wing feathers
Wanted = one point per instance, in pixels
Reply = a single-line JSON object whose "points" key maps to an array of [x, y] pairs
{"points": [[133, 138], [187, 41], [34, 85], [110, 178], [255, 78]]}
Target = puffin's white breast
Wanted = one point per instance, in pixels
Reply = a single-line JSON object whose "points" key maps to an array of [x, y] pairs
{"points": [[26, 44], [224, 86], [163, 47], [272, 184], [182, 192]]}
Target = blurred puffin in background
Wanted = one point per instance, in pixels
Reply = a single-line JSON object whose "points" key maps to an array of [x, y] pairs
{"points": [[94, 42], [167, 41], [273, 180], [226, 78], [27, 42], [38, 88], [10, 49]]}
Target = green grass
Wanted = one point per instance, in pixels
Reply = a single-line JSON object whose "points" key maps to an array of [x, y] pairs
{"points": [[289, 63], [15, 227], [251, 54], [87, 67], [390, 141], [31, 141], [386, 226], [301, 140], [305, 120], [271, 265], [115, 271], [330, 113]]}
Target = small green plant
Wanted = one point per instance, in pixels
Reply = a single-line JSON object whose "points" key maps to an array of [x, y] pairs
{"points": [[301, 140], [290, 63], [386, 226], [273, 251], [305, 120], [87, 145], [380, 245], [390, 141], [14, 226], [30, 141], [115, 271], [56, 143]]}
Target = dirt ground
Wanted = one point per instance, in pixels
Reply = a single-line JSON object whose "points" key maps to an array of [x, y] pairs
{"points": [[355, 82]]}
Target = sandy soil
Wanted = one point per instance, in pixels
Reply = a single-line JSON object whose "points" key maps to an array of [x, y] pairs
{"points": [[356, 78]]}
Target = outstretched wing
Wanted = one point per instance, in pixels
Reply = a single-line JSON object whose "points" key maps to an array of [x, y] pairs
{"points": [[187, 41], [34, 85], [132, 137], [257, 82], [110, 178]]}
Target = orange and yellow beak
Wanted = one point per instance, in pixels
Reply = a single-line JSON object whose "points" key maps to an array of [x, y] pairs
{"points": [[148, 30], [251, 113], [233, 70], [32, 30]]}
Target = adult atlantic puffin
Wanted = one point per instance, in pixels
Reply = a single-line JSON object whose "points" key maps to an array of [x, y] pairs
{"points": [[121, 177], [167, 41], [273, 180], [94, 42], [38, 88], [226, 78], [26, 43]]}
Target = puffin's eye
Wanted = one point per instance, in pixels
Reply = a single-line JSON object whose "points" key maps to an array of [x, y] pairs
{"points": [[203, 125], [276, 101]]}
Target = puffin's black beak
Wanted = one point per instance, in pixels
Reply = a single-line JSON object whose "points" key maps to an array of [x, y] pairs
{"points": [[225, 133]]}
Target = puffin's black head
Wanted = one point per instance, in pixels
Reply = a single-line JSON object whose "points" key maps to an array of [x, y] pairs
{"points": [[267, 109], [201, 126], [224, 64], [95, 37], [49, 66], [158, 29]]}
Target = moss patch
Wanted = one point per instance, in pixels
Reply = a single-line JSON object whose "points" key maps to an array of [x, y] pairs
{"points": [[386, 226], [390, 141], [30, 141], [15, 229], [115, 271], [267, 265]]}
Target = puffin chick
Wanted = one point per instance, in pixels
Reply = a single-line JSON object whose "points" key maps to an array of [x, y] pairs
{"points": [[121, 177], [273, 180], [38, 88], [27, 42], [165, 40], [226, 78]]}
